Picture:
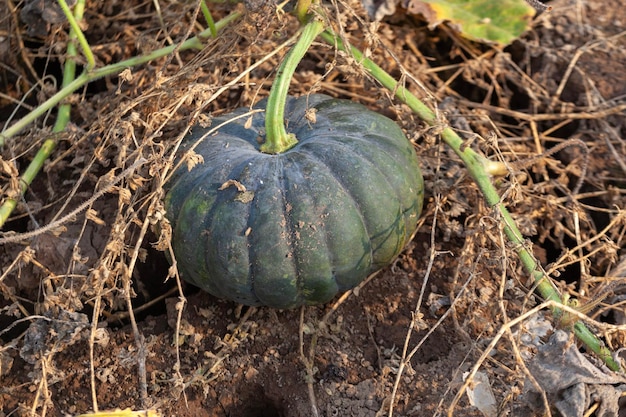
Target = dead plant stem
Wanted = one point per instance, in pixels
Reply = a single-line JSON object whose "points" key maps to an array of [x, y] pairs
{"points": [[505, 318], [407, 358], [601, 234], [579, 53], [140, 341], [308, 362], [108, 187], [180, 308], [613, 134], [89, 76], [416, 311], [71, 84], [122, 315], [590, 113], [92, 340]]}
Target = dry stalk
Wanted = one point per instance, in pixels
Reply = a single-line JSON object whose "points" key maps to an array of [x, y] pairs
{"points": [[416, 311], [569, 254], [42, 388], [308, 363], [590, 113], [589, 46], [105, 188], [139, 338], [505, 318], [406, 357], [92, 341], [611, 133]]}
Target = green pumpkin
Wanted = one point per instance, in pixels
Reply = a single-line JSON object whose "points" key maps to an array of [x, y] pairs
{"points": [[301, 226]]}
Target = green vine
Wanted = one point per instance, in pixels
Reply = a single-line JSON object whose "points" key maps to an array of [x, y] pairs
{"points": [[475, 164], [76, 34], [209, 18], [63, 115], [72, 83]]}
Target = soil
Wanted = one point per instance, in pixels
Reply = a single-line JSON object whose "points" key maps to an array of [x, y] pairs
{"points": [[401, 343]]}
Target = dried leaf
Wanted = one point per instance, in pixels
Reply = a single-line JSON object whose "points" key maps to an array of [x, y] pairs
{"points": [[125, 195], [192, 159], [571, 382], [92, 215], [240, 187], [491, 21], [135, 182]]}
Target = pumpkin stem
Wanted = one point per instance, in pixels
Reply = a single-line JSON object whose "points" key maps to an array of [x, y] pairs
{"points": [[277, 139], [301, 10]]}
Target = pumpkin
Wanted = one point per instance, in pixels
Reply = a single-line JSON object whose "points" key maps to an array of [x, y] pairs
{"points": [[301, 226]]}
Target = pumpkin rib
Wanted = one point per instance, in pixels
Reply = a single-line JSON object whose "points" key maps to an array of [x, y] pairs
{"points": [[257, 160], [359, 209], [221, 202], [378, 143], [291, 231], [357, 203], [415, 186], [273, 248], [226, 254], [185, 181], [312, 221], [339, 181], [289, 228], [184, 257], [336, 270], [377, 234], [251, 248], [369, 207]]}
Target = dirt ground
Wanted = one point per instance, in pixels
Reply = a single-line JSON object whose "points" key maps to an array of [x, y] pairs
{"points": [[400, 344]]}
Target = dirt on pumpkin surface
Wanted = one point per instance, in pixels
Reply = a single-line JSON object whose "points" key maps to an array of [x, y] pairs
{"points": [[84, 244]]}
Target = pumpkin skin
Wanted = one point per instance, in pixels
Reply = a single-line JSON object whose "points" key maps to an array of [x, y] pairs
{"points": [[308, 223]]}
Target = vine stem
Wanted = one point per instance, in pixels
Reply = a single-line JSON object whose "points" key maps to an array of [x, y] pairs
{"points": [[89, 76], [277, 139], [64, 111], [301, 10], [475, 164], [69, 86], [209, 18], [76, 34]]}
